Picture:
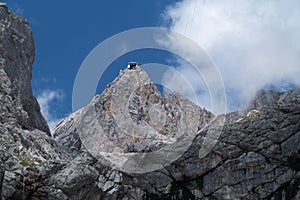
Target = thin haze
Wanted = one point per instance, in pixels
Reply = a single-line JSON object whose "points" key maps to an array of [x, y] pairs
{"points": [[254, 43], [45, 99]]}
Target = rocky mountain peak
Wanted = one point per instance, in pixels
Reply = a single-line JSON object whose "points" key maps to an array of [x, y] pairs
{"points": [[263, 99], [267, 99], [124, 144], [131, 115]]}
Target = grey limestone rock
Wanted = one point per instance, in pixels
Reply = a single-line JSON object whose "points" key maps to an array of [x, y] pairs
{"points": [[16, 59], [131, 142], [24, 134], [256, 156]]}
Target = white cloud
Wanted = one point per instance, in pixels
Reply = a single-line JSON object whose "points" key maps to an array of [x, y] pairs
{"points": [[254, 43], [45, 99], [187, 82]]}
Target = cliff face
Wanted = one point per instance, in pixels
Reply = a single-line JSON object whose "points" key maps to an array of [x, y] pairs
{"points": [[24, 133], [131, 142], [16, 58]]}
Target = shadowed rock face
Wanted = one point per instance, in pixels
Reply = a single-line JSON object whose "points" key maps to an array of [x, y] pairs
{"points": [[262, 100], [255, 157], [24, 134], [16, 58]]}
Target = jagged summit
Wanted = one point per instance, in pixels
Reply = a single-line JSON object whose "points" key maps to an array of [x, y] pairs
{"points": [[131, 116], [256, 157]]}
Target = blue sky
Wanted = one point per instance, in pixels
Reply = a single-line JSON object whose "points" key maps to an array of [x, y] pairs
{"points": [[66, 31], [254, 44]]}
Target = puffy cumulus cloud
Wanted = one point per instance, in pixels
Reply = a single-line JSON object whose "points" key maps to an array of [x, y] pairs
{"points": [[254, 43], [45, 99]]}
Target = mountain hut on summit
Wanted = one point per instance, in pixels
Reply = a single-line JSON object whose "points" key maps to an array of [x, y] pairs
{"points": [[133, 65]]}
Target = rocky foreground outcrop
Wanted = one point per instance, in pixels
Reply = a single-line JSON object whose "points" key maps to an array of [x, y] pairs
{"points": [[131, 142]]}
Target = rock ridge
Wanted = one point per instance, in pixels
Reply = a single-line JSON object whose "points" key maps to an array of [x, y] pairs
{"points": [[255, 157]]}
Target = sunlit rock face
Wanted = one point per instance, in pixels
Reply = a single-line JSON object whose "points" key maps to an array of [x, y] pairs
{"points": [[131, 124], [132, 116], [257, 146], [131, 142]]}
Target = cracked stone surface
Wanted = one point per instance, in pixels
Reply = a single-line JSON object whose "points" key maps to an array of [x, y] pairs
{"points": [[16, 58], [255, 157]]}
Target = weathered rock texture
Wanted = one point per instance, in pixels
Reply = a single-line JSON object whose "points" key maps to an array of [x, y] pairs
{"points": [[255, 157], [25, 140], [131, 116], [16, 58]]}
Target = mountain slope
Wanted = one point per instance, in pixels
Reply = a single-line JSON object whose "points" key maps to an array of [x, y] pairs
{"points": [[131, 142]]}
